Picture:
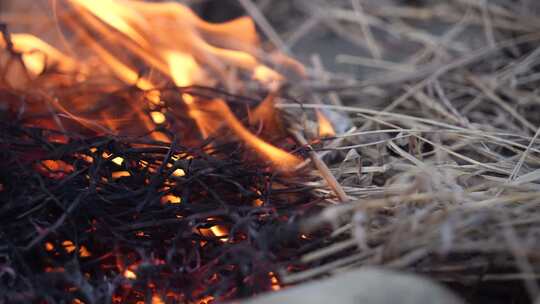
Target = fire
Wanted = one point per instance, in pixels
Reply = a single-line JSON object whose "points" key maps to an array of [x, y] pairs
{"points": [[190, 56], [84, 253], [275, 282], [205, 300], [218, 231], [37, 54], [69, 246], [281, 159], [118, 160], [49, 246], [179, 172], [258, 202], [144, 47], [55, 168], [325, 127], [119, 174], [128, 274], [157, 300], [158, 117], [206, 113], [172, 199]]}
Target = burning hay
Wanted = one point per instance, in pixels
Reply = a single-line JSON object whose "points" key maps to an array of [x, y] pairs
{"points": [[141, 164], [116, 220], [127, 175]]}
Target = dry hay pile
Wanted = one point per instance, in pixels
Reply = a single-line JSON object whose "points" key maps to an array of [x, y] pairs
{"points": [[439, 149]]}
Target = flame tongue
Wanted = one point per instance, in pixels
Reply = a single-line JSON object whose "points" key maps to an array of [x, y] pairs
{"points": [[154, 31], [325, 127], [279, 158], [217, 110], [35, 50]]}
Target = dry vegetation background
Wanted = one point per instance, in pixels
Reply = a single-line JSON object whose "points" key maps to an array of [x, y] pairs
{"points": [[438, 111]]}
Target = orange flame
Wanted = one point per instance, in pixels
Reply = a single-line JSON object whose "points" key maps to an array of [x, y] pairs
{"points": [[279, 158], [275, 282], [183, 57], [172, 40], [37, 54], [157, 300], [174, 44], [325, 127], [129, 274], [218, 231]]}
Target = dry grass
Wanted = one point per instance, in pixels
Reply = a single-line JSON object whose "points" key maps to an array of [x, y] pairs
{"points": [[441, 163]]}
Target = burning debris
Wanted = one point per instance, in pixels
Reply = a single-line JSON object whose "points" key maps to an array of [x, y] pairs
{"points": [[126, 173], [124, 220], [149, 156]]}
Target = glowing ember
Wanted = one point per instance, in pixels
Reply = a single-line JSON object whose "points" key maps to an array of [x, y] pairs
{"points": [[118, 160], [55, 168], [158, 117], [258, 202], [172, 199], [54, 269], [205, 300], [157, 300], [69, 246], [179, 172], [215, 230], [218, 231], [49, 246], [274, 280], [119, 174], [128, 274], [83, 252]]}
